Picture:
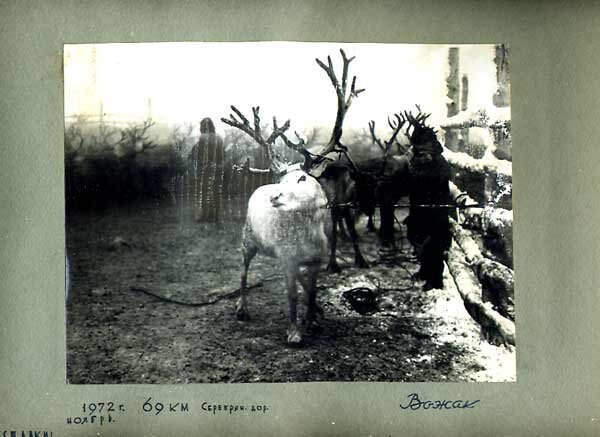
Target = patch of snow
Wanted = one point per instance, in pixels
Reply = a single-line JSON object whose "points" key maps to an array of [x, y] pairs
{"points": [[494, 115], [488, 164], [498, 363]]}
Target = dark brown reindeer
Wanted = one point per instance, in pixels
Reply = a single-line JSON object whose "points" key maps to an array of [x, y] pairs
{"points": [[341, 180], [382, 180], [392, 172], [375, 171], [392, 178]]}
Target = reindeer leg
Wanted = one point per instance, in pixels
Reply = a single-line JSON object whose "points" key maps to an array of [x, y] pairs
{"points": [[310, 289], [309, 284], [333, 266], [241, 309], [386, 228], [370, 224], [358, 258], [294, 337], [342, 230]]}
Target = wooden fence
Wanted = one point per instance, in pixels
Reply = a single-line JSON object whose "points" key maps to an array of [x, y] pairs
{"points": [[216, 194]]}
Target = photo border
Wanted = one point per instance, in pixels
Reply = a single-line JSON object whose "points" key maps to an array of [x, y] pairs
{"points": [[554, 89]]}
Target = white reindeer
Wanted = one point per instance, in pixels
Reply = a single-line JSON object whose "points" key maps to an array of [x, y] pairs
{"points": [[289, 221], [293, 219]]}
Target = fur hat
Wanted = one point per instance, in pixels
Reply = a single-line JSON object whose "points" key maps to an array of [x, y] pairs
{"points": [[424, 139]]}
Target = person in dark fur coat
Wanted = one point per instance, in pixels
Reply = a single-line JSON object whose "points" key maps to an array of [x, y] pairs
{"points": [[428, 227]]}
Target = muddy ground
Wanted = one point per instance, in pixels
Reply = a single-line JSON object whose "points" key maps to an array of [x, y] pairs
{"points": [[116, 335]]}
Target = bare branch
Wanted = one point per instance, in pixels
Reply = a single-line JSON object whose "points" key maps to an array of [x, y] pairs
{"points": [[135, 137]]}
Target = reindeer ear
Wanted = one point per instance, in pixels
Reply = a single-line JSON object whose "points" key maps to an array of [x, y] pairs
{"points": [[306, 164], [318, 169]]}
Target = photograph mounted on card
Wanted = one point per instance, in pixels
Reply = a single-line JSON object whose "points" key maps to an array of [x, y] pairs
{"points": [[288, 212]]}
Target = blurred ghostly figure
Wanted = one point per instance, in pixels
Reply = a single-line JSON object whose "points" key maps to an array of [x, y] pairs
{"points": [[207, 173]]}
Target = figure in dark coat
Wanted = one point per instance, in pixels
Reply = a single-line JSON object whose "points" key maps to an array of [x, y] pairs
{"points": [[428, 227], [207, 173]]}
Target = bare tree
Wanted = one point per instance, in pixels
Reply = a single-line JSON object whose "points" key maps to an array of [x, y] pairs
{"points": [[73, 137], [136, 138]]}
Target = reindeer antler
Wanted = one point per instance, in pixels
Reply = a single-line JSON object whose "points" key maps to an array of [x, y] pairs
{"points": [[344, 100], [417, 122], [299, 147], [395, 125], [423, 136], [255, 132]]}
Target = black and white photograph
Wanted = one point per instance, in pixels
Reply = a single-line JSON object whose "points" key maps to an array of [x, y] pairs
{"points": [[242, 212]]}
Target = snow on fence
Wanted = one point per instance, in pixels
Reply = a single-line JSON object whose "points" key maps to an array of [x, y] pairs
{"points": [[481, 257]]}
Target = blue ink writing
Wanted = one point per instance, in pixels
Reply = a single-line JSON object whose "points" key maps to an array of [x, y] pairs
{"points": [[415, 403]]}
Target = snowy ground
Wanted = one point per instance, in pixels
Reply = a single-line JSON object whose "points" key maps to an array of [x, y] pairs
{"points": [[115, 335]]}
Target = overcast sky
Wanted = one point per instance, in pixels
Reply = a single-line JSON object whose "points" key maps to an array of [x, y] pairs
{"points": [[189, 81]]}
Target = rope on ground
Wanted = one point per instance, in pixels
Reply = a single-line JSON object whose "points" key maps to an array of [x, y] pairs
{"points": [[392, 258], [230, 295]]}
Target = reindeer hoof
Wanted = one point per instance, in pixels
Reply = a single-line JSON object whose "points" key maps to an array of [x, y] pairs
{"points": [[314, 328], [242, 315], [241, 312], [333, 268], [313, 321], [318, 310], [362, 264], [312, 313], [388, 244], [294, 337]]}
